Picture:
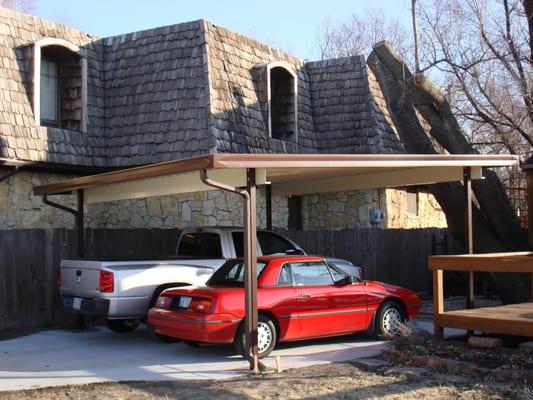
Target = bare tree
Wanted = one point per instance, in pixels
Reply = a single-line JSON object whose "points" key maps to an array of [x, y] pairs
{"points": [[357, 34], [480, 48], [26, 6], [528, 8], [477, 51]]}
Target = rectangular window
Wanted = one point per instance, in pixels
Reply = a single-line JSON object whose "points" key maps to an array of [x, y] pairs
{"points": [[285, 276], [200, 244], [412, 203], [49, 92], [311, 274]]}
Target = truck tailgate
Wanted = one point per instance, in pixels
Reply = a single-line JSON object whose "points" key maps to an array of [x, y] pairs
{"points": [[81, 278]]}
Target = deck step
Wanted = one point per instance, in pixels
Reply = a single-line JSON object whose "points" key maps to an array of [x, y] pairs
{"points": [[526, 346]]}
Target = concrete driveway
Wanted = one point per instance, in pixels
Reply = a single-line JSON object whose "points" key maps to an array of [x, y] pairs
{"points": [[61, 357]]}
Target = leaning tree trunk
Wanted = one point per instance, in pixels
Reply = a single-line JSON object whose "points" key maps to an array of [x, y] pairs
{"points": [[426, 124]]}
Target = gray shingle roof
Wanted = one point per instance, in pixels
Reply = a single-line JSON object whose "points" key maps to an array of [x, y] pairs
{"points": [[20, 137], [156, 95], [185, 90]]}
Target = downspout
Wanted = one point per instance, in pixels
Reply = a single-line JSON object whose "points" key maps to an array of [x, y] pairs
{"points": [[9, 174], [219, 185], [250, 253], [78, 214]]}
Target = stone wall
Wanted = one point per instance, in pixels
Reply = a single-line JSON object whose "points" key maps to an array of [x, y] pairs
{"points": [[19, 208], [184, 211], [352, 210], [341, 210], [430, 214]]}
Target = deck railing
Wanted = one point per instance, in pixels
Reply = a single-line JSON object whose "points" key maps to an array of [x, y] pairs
{"points": [[511, 319]]}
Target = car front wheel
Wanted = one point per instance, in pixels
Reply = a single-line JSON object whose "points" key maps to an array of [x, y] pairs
{"points": [[266, 337], [390, 318]]}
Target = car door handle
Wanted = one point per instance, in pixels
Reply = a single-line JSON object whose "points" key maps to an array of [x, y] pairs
{"points": [[304, 296]]}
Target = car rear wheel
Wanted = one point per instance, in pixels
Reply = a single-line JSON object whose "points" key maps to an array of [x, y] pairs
{"points": [[390, 317], [122, 325], [266, 337]]}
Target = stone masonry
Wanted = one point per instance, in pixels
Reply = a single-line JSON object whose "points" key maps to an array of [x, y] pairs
{"points": [[20, 209]]}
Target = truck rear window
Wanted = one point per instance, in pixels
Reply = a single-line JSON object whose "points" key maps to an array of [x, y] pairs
{"points": [[200, 244]]}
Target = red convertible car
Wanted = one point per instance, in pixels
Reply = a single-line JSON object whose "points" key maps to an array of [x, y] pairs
{"points": [[299, 297]]}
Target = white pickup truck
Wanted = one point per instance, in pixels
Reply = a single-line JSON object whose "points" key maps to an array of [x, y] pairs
{"points": [[123, 290]]}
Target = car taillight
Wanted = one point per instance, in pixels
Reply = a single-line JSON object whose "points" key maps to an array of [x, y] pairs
{"points": [[107, 282], [163, 302], [200, 305]]}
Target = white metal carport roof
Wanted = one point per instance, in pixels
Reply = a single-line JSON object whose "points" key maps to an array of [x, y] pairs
{"points": [[287, 173]]}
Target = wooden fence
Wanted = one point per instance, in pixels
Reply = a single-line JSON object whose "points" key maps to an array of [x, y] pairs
{"points": [[397, 256], [29, 261]]}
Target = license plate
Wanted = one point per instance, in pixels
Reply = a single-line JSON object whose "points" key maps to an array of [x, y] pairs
{"points": [[76, 303], [185, 301]]}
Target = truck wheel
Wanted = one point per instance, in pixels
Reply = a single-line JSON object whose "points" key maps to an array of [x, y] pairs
{"points": [[122, 325], [389, 319], [266, 340]]}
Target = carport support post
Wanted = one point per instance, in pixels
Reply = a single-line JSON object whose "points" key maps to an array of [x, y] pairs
{"points": [[80, 224], [250, 276], [268, 200], [469, 239]]}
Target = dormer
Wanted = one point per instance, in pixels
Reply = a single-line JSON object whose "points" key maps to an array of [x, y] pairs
{"points": [[59, 85], [281, 84]]}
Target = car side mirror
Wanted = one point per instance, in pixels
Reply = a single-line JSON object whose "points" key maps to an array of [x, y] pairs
{"points": [[347, 280]]}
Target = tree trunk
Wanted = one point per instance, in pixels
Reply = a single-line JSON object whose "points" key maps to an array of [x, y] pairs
{"points": [[496, 226]]}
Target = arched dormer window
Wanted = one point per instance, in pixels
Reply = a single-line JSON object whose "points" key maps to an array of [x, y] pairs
{"points": [[59, 85], [282, 100]]}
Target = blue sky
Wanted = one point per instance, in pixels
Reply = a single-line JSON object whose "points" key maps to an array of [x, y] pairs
{"points": [[290, 25]]}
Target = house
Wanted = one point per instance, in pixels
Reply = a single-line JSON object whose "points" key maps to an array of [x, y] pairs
{"points": [[72, 104]]}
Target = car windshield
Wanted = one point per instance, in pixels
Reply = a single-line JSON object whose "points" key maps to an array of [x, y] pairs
{"points": [[232, 274]]}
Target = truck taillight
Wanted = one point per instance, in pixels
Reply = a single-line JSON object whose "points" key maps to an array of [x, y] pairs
{"points": [[107, 282], [200, 305]]}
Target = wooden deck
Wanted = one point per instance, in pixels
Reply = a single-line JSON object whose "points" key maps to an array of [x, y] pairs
{"points": [[514, 319]]}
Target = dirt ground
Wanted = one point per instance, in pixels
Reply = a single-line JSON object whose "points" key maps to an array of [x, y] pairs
{"points": [[331, 381], [388, 379]]}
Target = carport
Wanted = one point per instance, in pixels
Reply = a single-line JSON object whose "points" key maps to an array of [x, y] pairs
{"points": [[286, 174]]}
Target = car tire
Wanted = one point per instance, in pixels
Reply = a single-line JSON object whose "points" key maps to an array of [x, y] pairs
{"points": [[388, 319], [122, 325], [266, 341]]}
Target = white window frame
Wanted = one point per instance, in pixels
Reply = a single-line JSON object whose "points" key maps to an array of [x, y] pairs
{"points": [[287, 67], [37, 51]]}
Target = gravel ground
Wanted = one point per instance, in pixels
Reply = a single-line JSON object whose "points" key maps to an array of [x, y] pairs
{"points": [[330, 381]]}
